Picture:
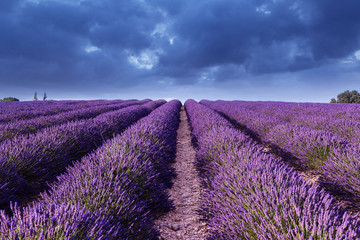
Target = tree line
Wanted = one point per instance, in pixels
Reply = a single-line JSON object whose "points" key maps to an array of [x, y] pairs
{"points": [[9, 99], [36, 98], [13, 99], [347, 97]]}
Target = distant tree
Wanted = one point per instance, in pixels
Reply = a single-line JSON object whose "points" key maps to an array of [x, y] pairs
{"points": [[9, 99], [333, 100], [347, 97], [35, 96], [45, 96]]}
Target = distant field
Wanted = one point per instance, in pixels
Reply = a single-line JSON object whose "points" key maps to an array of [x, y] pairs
{"points": [[102, 169]]}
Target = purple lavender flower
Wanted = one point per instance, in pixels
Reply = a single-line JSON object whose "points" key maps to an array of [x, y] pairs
{"points": [[27, 126], [251, 195], [40, 157], [113, 193]]}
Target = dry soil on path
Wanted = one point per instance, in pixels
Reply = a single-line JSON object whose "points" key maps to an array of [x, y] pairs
{"points": [[184, 222]]}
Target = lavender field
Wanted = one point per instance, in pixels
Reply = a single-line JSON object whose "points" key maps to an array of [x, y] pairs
{"points": [[104, 169]]}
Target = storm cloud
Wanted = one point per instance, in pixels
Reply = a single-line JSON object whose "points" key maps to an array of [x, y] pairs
{"points": [[117, 43]]}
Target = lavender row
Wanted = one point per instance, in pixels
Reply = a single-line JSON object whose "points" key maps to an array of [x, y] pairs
{"points": [[251, 195], [47, 109], [348, 129], [315, 116], [311, 146], [335, 157], [10, 130], [6, 107], [337, 111], [37, 159], [114, 193], [32, 105]]}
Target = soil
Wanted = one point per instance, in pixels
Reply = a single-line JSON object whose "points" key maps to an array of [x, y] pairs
{"points": [[184, 222]]}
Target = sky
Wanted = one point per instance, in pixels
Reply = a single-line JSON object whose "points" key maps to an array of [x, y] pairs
{"points": [[278, 50]]}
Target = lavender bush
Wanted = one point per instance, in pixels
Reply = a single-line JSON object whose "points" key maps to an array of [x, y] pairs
{"points": [[322, 150], [344, 118], [26, 110], [343, 167], [113, 193], [251, 195], [42, 221], [33, 125], [40, 157]]}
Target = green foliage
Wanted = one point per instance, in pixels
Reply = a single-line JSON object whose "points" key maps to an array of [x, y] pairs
{"points": [[347, 97], [9, 99]]}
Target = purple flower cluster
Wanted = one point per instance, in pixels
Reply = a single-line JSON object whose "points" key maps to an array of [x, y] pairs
{"points": [[344, 118], [336, 111], [9, 130], [113, 193], [26, 106], [38, 158], [321, 149], [43, 221], [12, 111], [251, 195]]}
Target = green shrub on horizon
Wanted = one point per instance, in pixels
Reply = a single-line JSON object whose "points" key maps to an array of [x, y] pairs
{"points": [[9, 99], [347, 97]]}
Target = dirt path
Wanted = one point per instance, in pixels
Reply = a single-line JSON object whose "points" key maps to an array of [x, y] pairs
{"points": [[184, 222]]}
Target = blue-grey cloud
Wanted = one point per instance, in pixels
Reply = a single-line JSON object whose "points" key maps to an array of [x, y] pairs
{"points": [[7, 6], [88, 43], [265, 36]]}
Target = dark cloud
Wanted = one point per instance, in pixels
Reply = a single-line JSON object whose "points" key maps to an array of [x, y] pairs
{"points": [[7, 6], [335, 30], [59, 43], [265, 36]]}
